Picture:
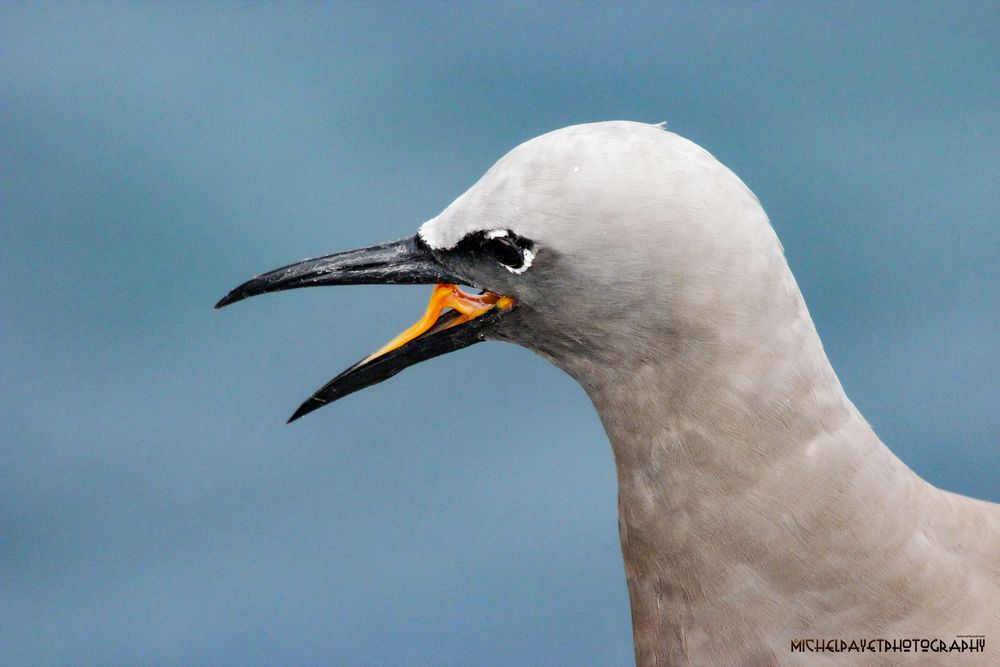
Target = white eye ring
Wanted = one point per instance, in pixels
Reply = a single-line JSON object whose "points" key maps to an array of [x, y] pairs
{"points": [[529, 257]]}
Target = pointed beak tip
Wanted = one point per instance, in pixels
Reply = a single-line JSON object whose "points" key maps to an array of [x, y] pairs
{"points": [[233, 296], [305, 409]]}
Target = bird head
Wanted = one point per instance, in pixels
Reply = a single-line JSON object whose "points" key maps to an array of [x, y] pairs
{"points": [[598, 246]]}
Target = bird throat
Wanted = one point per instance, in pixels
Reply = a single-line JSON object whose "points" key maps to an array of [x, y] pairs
{"points": [[711, 478]]}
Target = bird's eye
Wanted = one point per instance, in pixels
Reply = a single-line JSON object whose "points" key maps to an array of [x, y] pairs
{"points": [[513, 252], [504, 250]]}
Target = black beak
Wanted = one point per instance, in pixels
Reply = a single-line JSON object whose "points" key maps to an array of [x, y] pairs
{"points": [[440, 340], [405, 262], [408, 261]]}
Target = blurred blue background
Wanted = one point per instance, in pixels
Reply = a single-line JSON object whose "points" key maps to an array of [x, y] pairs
{"points": [[154, 508]]}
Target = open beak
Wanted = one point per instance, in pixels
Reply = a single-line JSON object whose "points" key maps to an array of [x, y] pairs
{"points": [[453, 319]]}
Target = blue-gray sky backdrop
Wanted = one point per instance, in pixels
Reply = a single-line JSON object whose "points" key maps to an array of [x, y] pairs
{"points": [[154, 508]]}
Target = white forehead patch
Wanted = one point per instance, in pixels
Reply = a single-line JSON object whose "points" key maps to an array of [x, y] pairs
{"points": [[434, 236]]}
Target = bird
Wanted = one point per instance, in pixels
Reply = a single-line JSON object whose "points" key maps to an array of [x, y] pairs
{"points": [[761, 519]]}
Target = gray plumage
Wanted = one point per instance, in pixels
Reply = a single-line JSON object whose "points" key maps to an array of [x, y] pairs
{"points": [[756, 504]]}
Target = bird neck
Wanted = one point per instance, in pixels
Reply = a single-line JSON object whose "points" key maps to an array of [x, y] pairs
{"points": [[723, 455]]}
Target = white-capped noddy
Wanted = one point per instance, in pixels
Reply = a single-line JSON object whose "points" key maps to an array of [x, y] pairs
{"points": [[757, 508]]}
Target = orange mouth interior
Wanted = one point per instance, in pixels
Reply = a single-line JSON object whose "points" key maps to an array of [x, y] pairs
{"points": [[445, 295]]}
